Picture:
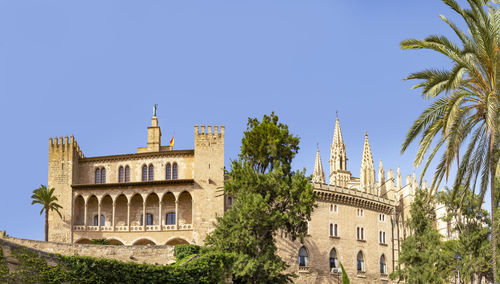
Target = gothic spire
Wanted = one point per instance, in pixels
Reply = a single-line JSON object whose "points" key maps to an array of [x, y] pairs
{"points": [[339, 175], [318, 175], [367, 173]]}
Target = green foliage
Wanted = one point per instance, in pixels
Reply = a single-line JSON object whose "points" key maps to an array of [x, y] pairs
{"points": [[345, 278], [271, 200], [100, 242], [211, 267], [422, 258], [182, 251], [473, 226], [4, 270], [268, 143], [48, 200]]}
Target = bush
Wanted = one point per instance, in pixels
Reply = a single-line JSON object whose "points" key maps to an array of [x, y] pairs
{"points": [[212, 267], [182, 251]]}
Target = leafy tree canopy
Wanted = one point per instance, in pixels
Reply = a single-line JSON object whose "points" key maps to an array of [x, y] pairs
{"points": [[271, 201]]}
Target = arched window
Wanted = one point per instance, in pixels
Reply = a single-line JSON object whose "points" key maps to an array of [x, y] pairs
{"points": [[335, 230], [303, 261], [362, 233], [120, 174], [361, 262], [383, 267], [170, 219], [97, 176], [103, 175], [127, 173], [144, 173], [149, 219], [331, 230], [174, 171], [333, 259], [151, 175], [169, 171]]}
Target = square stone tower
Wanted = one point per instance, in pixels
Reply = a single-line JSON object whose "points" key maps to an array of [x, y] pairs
{"points": [[63, 171]]}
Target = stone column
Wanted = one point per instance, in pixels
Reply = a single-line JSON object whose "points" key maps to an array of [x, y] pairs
{"points": [[99, 216], [144, 215], [128, 215], [113, 217], [85, 215], [160, 216], [177, 214]]}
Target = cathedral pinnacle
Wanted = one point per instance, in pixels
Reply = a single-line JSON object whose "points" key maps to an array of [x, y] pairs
{"points": [[318, 175], [367, 173], [338, 159]]}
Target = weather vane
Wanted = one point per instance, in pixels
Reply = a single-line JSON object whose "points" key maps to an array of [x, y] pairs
{"points": [[155, 108], [337, 113]]}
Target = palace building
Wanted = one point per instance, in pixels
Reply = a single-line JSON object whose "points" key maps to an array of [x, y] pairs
{"points": [[156, 196], [162, 196]]}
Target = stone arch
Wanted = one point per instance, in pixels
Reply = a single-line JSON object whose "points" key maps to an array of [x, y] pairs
{"points": [[82, 241], [152, 207], [79, 211], [107, 210], [185, 208], [136, 203], [115, 241], [360, 261], [168, 207], [333, 258], [144, 241], [92, 210], [176, 241], [303, 257], [121, 205]]}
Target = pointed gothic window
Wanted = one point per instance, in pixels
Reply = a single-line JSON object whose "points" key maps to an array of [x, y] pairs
{"points": [[127, 173], [383, 266], [360, 262], [151, 173], [120, 174], [169, 171], [103, 175], [97, 176], [144, 173], [303, 261], [333, 259], [174, 171]]}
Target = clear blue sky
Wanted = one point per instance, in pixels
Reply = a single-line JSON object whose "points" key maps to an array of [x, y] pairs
{"points": [[95, 68]]}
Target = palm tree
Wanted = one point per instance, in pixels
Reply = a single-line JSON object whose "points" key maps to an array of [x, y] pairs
{"points": [[466, 102], [45, 196]]}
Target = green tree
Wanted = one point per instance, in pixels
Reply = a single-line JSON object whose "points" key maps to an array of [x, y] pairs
{"points": [[472, 224], [48, 200], [466, 105], [422, 258], [271, 201]]}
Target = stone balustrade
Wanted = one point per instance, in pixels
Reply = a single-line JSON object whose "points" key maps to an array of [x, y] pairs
{"points": [[149, 228]]}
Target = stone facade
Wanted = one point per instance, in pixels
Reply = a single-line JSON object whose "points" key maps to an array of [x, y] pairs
{"points": [[157, 196], [162, 196], [359, 222]]}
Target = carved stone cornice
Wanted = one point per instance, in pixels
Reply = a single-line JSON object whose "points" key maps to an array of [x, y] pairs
{"points": [[136, 156], [355, 198]]}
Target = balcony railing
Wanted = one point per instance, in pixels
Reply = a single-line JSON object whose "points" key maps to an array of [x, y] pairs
{"points": [[134, 228]]}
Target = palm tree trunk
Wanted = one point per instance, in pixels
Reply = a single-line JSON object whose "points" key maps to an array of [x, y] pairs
{"points": [[493, 207], [46, 224]]}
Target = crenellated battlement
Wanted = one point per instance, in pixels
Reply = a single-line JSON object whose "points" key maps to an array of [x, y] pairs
{"points": [[208, 131], [66, 145]]}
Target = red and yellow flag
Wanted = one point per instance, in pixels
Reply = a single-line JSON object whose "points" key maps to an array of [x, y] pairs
{"points": [[172, 142]]}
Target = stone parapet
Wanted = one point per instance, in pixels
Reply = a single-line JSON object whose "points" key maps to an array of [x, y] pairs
{"points": [[161, 254]]}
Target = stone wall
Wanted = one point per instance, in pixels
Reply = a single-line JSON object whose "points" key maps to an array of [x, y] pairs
{"points": [[137, 254]]}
